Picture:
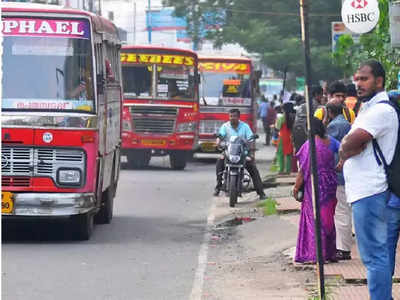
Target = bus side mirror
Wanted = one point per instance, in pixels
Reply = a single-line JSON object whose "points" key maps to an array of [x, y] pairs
{"points": [[258, 74], [100, 84]]}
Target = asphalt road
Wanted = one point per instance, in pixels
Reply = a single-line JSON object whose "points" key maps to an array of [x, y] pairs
{"points": [[149, 251]]}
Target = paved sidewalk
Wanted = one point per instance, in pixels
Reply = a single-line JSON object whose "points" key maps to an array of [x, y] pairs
{"points": [[350, 273]]}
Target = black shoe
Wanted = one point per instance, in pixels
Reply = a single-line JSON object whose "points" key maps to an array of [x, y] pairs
{"points": [[343, 255], [216, 192], [262, 196]]}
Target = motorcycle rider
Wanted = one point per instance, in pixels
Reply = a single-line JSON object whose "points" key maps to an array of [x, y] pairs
{"points": [[235, 127]]}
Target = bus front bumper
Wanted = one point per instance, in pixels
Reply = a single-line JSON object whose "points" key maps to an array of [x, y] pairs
{"points": [[51, 204]]}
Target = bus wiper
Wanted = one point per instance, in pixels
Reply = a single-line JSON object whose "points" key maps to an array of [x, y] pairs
{"points": [[50, 125], [204, 100]]}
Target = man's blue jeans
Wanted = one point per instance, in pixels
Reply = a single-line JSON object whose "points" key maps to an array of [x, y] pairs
{"points": [[371, 223], [393, 235]]}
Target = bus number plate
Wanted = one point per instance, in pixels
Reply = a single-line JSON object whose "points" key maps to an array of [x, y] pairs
{"points": [[208, 147], [7, 203], [153, 142]]}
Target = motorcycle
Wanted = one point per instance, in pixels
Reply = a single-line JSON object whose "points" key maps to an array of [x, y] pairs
{"points": [[236, 179]]}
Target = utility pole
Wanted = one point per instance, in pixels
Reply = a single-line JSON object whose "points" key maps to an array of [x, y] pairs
{"points": [[134, 22], [304, 6], [149, 21], [196, 25]]}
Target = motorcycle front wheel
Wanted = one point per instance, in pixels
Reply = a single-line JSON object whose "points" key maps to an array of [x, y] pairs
{"points": [[233, 190]]}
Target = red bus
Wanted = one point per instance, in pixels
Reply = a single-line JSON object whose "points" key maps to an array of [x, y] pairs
{"points": [[61, 115], [226, 83], [161, 104]]}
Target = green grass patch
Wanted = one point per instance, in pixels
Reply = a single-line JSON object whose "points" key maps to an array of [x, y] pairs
{"points": [[274, 168], [268, 206]]}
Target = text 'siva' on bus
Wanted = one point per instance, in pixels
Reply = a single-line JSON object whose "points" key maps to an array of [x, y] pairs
{"points": [[61, 115], [226, 83], [161, 104]]}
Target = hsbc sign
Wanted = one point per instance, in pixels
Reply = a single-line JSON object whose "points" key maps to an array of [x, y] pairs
{"points": [[360, 16]]}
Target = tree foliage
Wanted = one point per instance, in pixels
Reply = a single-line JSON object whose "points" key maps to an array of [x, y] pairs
{"points": [[270, 28], [374, 45]]}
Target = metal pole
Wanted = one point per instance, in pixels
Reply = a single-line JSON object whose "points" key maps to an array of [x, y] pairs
{"points": [[284, 84], [149, 20], [134, 23], [314, 179], [195, 23]]}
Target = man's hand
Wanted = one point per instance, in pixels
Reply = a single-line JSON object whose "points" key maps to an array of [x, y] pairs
{"points": [[354, 143]]}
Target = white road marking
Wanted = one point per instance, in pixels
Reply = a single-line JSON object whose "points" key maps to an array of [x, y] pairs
{"points": [[198, 282]]}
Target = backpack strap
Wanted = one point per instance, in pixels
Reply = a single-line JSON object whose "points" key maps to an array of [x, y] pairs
{"points": [[380, 158]]}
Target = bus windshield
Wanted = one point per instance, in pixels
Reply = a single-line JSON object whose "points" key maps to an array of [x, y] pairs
{"points": [[47, 73], [156, 81], [225, 89]]}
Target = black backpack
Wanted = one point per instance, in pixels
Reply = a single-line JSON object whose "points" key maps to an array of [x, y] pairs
{"points": [[392, 170], [299, 129]]}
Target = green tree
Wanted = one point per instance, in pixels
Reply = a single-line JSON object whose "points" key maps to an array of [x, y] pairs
{"points": [[270, 28], [373, 45]]}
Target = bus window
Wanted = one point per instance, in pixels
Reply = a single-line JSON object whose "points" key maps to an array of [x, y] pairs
{"points": [[175, 81], [137, 80]]}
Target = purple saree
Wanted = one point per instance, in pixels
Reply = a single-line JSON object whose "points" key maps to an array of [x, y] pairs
{"points": [[306, 250]]}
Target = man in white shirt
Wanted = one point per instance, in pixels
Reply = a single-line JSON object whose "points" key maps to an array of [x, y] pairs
{"points": [[365, 181]]}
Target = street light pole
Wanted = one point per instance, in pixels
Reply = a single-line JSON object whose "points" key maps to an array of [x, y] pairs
{"points": [[311, 137], [149, 20]]}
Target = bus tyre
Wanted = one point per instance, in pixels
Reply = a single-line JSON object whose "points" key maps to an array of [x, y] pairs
{"points": [[105, 214], [83, 226], [178, 159], [233, 192], [139, 159]]}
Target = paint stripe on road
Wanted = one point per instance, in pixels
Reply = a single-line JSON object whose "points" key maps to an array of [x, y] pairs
{"points": [[198, 282]]}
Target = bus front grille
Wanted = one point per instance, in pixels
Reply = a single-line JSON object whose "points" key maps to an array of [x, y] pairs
{"points": [[154, 120]]}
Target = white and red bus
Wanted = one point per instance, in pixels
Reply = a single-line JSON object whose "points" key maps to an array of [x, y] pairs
{"points": [[226, 83], [61, 115], [161, 104]]}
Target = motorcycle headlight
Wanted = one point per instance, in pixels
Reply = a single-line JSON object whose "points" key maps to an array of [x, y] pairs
{"points": [[234, 158], [186, 127], [69, 176]]}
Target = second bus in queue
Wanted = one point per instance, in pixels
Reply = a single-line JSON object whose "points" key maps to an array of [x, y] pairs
{"points": [[161, 104]]}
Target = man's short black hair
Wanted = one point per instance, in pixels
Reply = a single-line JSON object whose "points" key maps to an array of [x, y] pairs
{"points": [[337, 87], [334, 109], [235, 110], [376, 69], [351, 90], [316, 90]]}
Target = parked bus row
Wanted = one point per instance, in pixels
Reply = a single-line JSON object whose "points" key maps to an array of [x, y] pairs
{"points": [[73, 101]]}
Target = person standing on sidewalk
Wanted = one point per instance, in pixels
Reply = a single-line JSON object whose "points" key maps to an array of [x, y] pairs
{"points": [[325, 148], [366, 183], [337, 93], [263, 115], [299, 132], [337, 128], [271, 118], [285, 146]]}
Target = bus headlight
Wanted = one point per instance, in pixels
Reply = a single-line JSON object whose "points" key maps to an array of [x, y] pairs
{"points": [[69, 176], [186, 127]]}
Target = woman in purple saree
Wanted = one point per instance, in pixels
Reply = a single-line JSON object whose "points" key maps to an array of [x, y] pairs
{"points": [[306, 250]]}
